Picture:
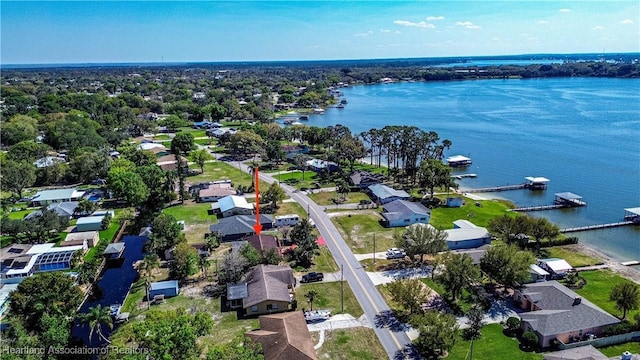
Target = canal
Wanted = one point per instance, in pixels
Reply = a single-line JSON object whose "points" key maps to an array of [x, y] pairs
{"points": [[112, 288]]}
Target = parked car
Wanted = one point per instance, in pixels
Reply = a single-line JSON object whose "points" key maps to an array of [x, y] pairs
{"points": [[395, 253], [312, 277], [365, 202]]}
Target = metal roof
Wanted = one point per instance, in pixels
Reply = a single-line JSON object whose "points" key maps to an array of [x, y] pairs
{"points": [[169, 284], [537, 179], [232, 201], [383, 191], [457, 158], [635, 210], [58, 194], [568, 196], [89, 220]]}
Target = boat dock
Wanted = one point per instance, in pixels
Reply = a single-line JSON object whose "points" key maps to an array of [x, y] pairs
{"points": [[462, 176], [595, 227], [496, 188], [539, 208]]}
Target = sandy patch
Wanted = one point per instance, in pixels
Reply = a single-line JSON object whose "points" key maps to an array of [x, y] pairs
{"points": [[615, 266]]}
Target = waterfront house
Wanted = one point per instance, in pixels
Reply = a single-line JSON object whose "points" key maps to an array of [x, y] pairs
{"points": [[22, 260], [166, 289], [364, 179], [91, 238], [321, 165], [404, 213], [467, 235], [284, 336], [554, 312], [557, 268], [384, 194], [292, 150], [239, 226], [46, 197]]}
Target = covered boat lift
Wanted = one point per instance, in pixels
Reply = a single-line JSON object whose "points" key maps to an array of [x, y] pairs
{"points": [[458, 160], [632, 214], [536, 183], [568, 199]]}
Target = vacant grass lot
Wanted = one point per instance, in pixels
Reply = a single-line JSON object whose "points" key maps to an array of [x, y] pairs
{"points": [[358, 231], [573, 257], [291, 208], [598, 287], [294, 179], [205, 142], [492, 345], [324, 198], [222, 171], [443, 218], [195, 217], [350, 344], [329, 298]]}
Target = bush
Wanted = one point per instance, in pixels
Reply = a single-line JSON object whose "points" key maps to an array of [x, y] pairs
{"points": [[530, 339], [513, 324], [621, 328]]}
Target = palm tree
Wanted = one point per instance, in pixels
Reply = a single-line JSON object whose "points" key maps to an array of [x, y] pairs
{"points": [[95, 318], [149, 263], [204, 263], [626, 296], [311, 296]]}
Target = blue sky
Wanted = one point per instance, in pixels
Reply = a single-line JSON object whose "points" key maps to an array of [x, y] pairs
{"points": [[145, 31]]}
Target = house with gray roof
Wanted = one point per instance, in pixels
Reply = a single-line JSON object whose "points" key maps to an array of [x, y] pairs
{"points": [[404, 213], [554, 312], [64, 209], [46, 197], [364, 179], [268, 290], [384, 194], [467, 235], [239, 226]]}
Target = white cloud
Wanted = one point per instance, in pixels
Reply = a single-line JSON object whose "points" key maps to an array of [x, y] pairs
{"points": [[467, 24], [626, 21], [398, 32], [543, 22], [363, 33], [497, 39], [598, 27], [435, 18], [565, 10], [420, 24], [385, 30]]}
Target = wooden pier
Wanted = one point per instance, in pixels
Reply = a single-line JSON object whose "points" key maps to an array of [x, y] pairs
{"points": [[497, 188], [595, 227], [539, 208], [462, 176]]}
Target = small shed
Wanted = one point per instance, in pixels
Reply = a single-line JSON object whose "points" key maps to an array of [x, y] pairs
{"points": [[89, 223], [166, 288], [114, 250]]}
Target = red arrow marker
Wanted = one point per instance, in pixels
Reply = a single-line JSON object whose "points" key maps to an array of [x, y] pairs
{"points": [[258, 226]]}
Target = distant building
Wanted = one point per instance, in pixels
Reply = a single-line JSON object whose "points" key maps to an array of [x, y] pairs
{"points": [[215, 192], [364, 179], [89, 223], [91, 238], [169, 162], [557, 268], [65, 209], [320, 165], [49, 161]]}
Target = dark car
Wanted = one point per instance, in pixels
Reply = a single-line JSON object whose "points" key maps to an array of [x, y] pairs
{"points": [[312, 277]]}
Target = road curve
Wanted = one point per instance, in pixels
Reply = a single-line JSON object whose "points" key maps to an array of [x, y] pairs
{"points": [[389, 330]]}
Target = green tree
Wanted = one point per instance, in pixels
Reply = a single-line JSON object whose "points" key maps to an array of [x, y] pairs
{"points": [[127, 185], [475, 321], [350, 148], [437, 333], [95, 317], [232, 268], [311, 296], [240, 348], [166, 232], [274, 152], [19, 128], [203, 264], [250, 254], [507, 264], [146, 268], [200, 157], [85, 207], [300, 161], [182, 143], [433, 173], [16, 176], [246, 143], [55, 331], [422, 239], [343, 188], [274, 194], [28, 151], [459, 273], [301, 231], [626, 296], [185, 261], [530, 339], [502, 226], [542, 228], [90, 165], [49, 292], [410, 293]]}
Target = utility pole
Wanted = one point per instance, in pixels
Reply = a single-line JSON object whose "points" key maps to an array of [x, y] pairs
{"points": [[374, 248], [342, 288]]}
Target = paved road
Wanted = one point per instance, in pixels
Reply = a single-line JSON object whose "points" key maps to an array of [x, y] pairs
{"points": [[390, 332]]}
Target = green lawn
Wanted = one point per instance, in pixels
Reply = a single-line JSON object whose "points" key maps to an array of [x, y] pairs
{"points": [[598, 287], [162, 137], [195, 217], [324, 198], [492, 345], [358, 231], [617, 350], [294, 179], [329, 298], [291, 208], [350, 344], [443, 218], [222, 171], [573, 257], [19, 215], [195, 132], [105, 235], [324, 261], [205, 142]]}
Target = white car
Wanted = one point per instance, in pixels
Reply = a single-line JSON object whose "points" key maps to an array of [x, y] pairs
{"points": [[395, 253]]}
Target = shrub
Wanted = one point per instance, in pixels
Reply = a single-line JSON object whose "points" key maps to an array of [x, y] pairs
{"points": [[513, 324], [530, 339]]}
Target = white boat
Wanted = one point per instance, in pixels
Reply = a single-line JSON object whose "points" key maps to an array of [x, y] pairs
{"points": [[114, 309], [318, 111]]}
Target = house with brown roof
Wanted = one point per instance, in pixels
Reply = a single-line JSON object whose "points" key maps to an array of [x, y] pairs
{"points": [[284, 336], [90, 238], [169, 162], [268, 290], [215, 192], [263, 243], [556, 313]]}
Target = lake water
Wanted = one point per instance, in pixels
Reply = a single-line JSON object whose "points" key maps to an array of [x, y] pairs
{"points": [[581, 133]]}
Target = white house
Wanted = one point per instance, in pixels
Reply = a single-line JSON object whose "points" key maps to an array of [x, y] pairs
{"points": [[234, 205], [46, 197], [467, 235], [558, 268]]}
